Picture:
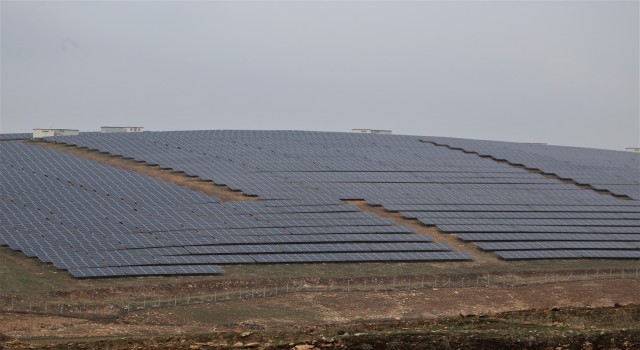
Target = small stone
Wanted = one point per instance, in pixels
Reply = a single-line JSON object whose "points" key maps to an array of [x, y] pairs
{"points": [[252, 345], [304, 347]]}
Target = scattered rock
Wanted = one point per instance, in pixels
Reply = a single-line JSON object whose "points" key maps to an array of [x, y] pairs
{"points": [[304, 347], [245, 334], [252, 345]]}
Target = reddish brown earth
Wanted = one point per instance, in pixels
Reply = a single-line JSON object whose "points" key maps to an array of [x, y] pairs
{"points": [[311, 309]]}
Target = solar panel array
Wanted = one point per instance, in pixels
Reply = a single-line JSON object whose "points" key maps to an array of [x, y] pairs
{"points": [[614, 171], [475, 197], [96, 221]]}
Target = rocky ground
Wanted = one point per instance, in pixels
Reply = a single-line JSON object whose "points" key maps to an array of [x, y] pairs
{"points": [[570, 315]]}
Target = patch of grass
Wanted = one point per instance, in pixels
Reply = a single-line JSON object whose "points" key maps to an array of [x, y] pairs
{"points": [[349, 270], [29, 276], [230, 313]]}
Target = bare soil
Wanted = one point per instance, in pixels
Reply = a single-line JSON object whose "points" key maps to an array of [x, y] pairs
{"points": [[303, 318]]}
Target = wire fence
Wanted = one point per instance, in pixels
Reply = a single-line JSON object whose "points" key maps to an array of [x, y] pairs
{"points": [[259, 290]]}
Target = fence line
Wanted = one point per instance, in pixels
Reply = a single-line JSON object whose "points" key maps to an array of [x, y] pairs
{"points": [[112, 309]]}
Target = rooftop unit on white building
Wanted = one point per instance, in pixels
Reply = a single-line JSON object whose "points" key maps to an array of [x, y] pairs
{"points": [[40, 133], [112, 129], [371, 131]]}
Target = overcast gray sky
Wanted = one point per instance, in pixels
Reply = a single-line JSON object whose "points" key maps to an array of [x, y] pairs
{"points": [[564, 73]]}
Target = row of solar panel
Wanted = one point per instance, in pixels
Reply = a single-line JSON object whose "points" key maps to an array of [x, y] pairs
{"points": [[521, 215], [541, 237], [568, 254], [531, 222], [536, 229], [557, 245], [149, 270], [634, 208]]}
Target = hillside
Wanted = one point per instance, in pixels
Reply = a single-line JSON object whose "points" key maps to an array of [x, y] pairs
{"points": [[277, 239]]}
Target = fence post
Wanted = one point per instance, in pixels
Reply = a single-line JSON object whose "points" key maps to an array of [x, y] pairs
{"points": [[348, 285], [422, 283]]}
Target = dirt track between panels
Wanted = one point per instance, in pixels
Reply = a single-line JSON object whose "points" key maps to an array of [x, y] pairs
{"points": [[223, 193], [479, 257]]}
